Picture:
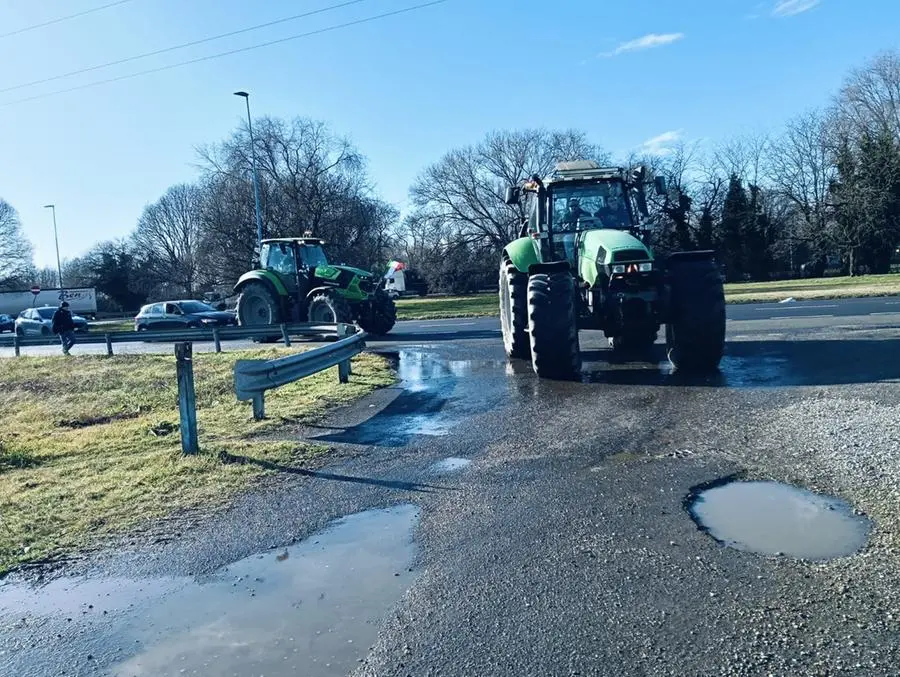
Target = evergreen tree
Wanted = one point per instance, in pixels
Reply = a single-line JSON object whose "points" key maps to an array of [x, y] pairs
{"points": [[731, 229]]}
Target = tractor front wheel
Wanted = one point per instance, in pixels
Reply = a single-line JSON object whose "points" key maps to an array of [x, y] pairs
{"points": [[381, 316], [329, 308], [257, 306], [514, 310], [553, 326], [695, 333]]}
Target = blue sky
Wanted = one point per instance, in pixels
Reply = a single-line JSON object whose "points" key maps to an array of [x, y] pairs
{"points": [[405, 89]]}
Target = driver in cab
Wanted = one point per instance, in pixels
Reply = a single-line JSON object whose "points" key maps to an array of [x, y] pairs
{"points": [[573, 213], [610, 212]]}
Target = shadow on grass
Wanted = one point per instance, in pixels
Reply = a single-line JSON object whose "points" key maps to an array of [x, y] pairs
{"points": [[16, 460], [399, 485]]}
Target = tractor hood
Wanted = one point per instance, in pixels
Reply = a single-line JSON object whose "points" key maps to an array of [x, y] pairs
{"points": [[606, 245], [351, 269]]}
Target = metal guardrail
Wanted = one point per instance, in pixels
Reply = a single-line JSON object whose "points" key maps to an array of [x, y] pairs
{"points": [[252, 378], [214, 334]]}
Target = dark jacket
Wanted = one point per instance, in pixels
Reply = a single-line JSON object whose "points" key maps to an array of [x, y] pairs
{"points": [[62, 321]]}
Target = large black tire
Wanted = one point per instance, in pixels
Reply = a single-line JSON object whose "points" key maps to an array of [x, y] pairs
{"points": [[514, 310], [553, 326], [381, 317], [257, 306], [695, 333], [329, 308]]}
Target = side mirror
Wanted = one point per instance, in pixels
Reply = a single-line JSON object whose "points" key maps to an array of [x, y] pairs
{"points": [[513, 193], [660, 185], [642, 203]]}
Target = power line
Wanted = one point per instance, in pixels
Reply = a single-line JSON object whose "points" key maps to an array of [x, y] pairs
{"points": [[181, 46], [327, 29], [34, 27]]}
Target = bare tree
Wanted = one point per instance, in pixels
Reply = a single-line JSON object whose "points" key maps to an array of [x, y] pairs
{"points": [[168, 237], [463, 191], [870, 98], [802, 169], [15, 249]]}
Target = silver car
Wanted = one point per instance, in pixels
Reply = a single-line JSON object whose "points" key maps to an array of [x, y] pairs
{"points": [[39, 322]]}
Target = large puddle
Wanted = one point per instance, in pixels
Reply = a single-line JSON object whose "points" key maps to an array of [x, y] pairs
{"points": [[778, 519], [437, 394], [311, 609]]}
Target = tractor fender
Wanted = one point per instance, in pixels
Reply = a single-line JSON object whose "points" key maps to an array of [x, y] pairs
{"points": [[268, 278], [522, 253], [318, 290]]}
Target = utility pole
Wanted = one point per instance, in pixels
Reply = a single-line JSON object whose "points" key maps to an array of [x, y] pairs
{"points": [[56, 240], [259, 227]]}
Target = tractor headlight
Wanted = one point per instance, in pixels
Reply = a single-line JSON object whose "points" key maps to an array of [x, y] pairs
{"points": [[618, 270], [645, 267]]}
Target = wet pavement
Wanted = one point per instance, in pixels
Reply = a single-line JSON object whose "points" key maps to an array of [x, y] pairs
{"points": [[778, 519], [313, 608], [543, 522]]}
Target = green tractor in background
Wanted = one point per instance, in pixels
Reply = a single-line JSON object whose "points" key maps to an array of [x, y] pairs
{"points": [[583, 261], [295, 283]]}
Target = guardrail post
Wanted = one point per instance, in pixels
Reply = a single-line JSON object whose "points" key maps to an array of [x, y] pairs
{"points": [[16, 343], [187, 402], [284, 335], [259, 406], [216, 340], [345, 371], [109, 350]]}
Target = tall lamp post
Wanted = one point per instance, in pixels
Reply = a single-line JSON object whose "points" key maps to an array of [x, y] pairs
{"points": [[259, 228], [52, 208]]}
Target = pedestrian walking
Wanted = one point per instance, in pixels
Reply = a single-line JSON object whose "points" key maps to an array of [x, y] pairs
{"points": [[64, 326]]}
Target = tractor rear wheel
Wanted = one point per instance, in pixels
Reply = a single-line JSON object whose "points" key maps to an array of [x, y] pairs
{"points": [[514, 310], [329, 308], [381, 316], [695, 333], [553, 326], [258, 306]]}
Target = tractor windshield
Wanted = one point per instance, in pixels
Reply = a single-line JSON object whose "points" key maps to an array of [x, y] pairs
{"points": [[588, 206], [312, 255]]}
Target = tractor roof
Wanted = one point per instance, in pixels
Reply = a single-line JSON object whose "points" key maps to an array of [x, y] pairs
{"points": [[297, 240], [584, 170]]}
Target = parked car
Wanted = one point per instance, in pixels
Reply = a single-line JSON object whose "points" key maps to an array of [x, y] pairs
{"points": [[39, 322], [7, 323], [181, 314]]}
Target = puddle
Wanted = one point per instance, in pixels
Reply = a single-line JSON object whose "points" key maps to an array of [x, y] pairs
{"points": [[778, 519], [437, 394], [450, 465], [314, 609]]}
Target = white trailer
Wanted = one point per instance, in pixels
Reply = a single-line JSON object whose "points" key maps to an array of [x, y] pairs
{"points": [[82, 301]]}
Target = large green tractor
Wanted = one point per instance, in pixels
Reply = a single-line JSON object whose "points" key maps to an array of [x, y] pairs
{"points": [[583, 260], [295, 283]]}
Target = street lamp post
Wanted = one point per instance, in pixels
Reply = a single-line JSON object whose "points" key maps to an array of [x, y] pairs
{"points": [[52, 208], [259, 227]]}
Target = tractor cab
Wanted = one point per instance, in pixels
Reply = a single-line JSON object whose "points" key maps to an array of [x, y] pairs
{"points": [[286, 257]]}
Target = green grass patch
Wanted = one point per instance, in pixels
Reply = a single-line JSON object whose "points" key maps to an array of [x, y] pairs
{"points": [[820, 288], [487, 305], [440, 307], [90, 446]]}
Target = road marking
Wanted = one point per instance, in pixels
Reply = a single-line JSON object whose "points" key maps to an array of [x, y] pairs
{"points": [[792, 308], [445, 324], [809, 317], [886, 312]]}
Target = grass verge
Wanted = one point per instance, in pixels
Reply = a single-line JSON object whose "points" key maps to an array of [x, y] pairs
{"points": [[486, 305], [89, 446]]}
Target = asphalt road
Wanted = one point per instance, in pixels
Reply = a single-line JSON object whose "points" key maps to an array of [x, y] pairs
{"points": [[535, 527], [417, 331]]}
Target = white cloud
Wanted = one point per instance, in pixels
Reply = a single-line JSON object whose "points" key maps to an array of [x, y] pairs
{"points": [[649, 41], [785, 8], [661, 144]]}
